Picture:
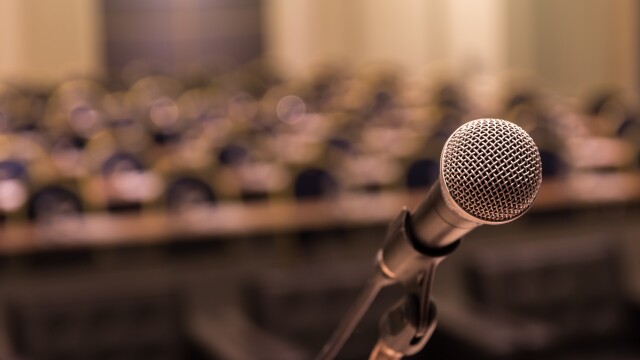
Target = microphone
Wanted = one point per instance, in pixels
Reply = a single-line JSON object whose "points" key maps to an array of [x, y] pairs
{"points": [[490, 174]]}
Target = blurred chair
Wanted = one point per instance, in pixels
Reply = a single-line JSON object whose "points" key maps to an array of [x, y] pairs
{"points": [[450, 97], [552, 147], [14, 187], [422, 173], [14, 110], [121, 161], [305, 304], [249, 174], [53, 202], [230, 334], [609, 113], [129, 322], [233, 154], [313, 183], [630, 129], [165, 122], [316, 183], [446, 122], [124, 175], [188, 193], [552, 164], [545, 299]]}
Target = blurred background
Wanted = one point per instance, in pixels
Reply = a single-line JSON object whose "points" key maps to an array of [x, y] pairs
{"points": [[211, 179]]}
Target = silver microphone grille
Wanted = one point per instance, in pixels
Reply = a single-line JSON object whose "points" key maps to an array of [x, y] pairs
{"points": [[491, 169]]}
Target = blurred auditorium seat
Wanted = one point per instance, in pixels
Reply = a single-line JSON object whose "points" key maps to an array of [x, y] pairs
{"points": [[558, 298], [52, 202], [120, 172], [99, 320], [230, 334], [305, 304], [313, 183], [422, 173], [185, 193]]}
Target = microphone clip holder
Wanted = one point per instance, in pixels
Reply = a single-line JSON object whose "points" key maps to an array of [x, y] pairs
{"points": [[407, 327]]}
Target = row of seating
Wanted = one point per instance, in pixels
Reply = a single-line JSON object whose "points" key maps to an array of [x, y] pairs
{"points": [[249, 135]]}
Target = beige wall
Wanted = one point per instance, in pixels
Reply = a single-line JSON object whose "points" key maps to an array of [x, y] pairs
{"points": [[575, 46], [10, 40], [305, 33], [410, 33], [45, 41], [477, 34], [571, 45]]}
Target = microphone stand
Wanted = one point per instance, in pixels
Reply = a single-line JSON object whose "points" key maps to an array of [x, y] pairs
{"points": [[353, 317], [407, 326]]}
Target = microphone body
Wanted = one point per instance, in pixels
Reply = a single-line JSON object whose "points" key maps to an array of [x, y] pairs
{"points": [[490, 173], [415, 240], [435, 224]]}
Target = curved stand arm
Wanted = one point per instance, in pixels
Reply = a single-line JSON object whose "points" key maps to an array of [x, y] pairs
{"points": [[353, 317]]}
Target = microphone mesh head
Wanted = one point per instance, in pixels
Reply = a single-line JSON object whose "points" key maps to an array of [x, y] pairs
{"points": [[491, 170]]}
